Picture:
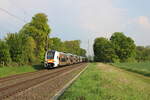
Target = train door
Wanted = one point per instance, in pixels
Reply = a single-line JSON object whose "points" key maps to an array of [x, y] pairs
{"points": [[56, 59]]}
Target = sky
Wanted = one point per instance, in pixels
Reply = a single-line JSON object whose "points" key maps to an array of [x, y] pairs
{"points": [[81, 19]]}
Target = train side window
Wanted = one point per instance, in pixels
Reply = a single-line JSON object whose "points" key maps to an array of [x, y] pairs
{"points": [[62, 59]]}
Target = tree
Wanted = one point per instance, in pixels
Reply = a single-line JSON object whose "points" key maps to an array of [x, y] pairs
{"points": [[82, 52], [55, 44], [29, 47], [16, 50], [124, 46], [39, 30], [73, 46], [21, 48], [142, 53], [103, 50], [66, 46], [4, 53]]}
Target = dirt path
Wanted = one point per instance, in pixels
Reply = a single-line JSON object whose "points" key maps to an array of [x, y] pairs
{"points": [[126, 85]]}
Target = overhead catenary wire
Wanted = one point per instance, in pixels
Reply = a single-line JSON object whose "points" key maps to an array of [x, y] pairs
{"points": [[21, 8], [12, 15]]}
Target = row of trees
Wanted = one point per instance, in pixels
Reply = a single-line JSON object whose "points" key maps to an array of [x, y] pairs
{"points": [[29, 45], [119, 48], [72, 46], [142, 53]]}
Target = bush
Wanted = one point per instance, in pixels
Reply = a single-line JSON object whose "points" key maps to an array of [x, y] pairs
{"points": [[4, 54]]}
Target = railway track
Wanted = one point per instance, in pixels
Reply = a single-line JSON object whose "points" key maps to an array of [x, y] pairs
{"points": [[8, 78], [26, 76], [19, 86]]}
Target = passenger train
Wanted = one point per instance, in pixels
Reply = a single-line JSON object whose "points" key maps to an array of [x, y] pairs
{"points": [[55, 59]]}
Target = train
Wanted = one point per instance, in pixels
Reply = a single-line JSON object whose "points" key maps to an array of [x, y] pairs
{"points": [[55, 58]]}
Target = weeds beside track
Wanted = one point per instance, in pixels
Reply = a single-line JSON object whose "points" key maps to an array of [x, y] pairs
{"points": [[13, 70]]}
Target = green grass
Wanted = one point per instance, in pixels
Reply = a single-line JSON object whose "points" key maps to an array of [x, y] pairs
{"points": [[90, 78], [8, 71], [104, 82], [141, 68]]}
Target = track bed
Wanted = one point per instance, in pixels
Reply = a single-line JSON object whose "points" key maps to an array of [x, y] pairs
{"points": [[40, 85]]}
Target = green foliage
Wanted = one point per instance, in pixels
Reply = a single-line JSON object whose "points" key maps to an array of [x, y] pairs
{"points": [[13, 70], [39, 30], [4, 53], [15, 42], [82, 52], [29, 47], [66, 46], [142, 53], [73, 46], [124, 46], [118, 48], [103, 50], [56, 44], [22, 48]]}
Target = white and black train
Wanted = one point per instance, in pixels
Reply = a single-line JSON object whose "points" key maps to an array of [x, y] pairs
{"points": [[54, 59]]}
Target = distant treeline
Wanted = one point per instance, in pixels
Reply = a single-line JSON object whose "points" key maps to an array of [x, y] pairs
{"points": [[119, 48], [29, 45], [143, 53]]}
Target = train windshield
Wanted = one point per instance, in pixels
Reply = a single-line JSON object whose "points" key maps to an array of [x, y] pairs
{"points": [[50, 54]]}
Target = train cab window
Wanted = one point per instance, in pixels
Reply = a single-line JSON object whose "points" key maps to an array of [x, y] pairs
{"points": [[50, 54]]}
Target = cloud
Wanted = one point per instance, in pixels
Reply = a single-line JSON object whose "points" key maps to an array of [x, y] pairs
{"points": [[139, 28], [144, 22], [101, 17], [140, 22]]}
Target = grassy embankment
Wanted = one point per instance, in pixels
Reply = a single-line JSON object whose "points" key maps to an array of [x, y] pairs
{"points": [[141, 68], [7, 71], [105, 82]]}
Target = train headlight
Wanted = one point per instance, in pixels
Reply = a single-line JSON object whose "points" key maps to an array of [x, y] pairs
{"points": [[50, 60]]}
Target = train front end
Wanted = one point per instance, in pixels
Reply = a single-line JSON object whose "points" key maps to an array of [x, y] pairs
{"points": [[50, 59]]}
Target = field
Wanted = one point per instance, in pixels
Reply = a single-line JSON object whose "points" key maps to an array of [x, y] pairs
{"points": [[141, 68], [7, 71], [106, 82]]}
